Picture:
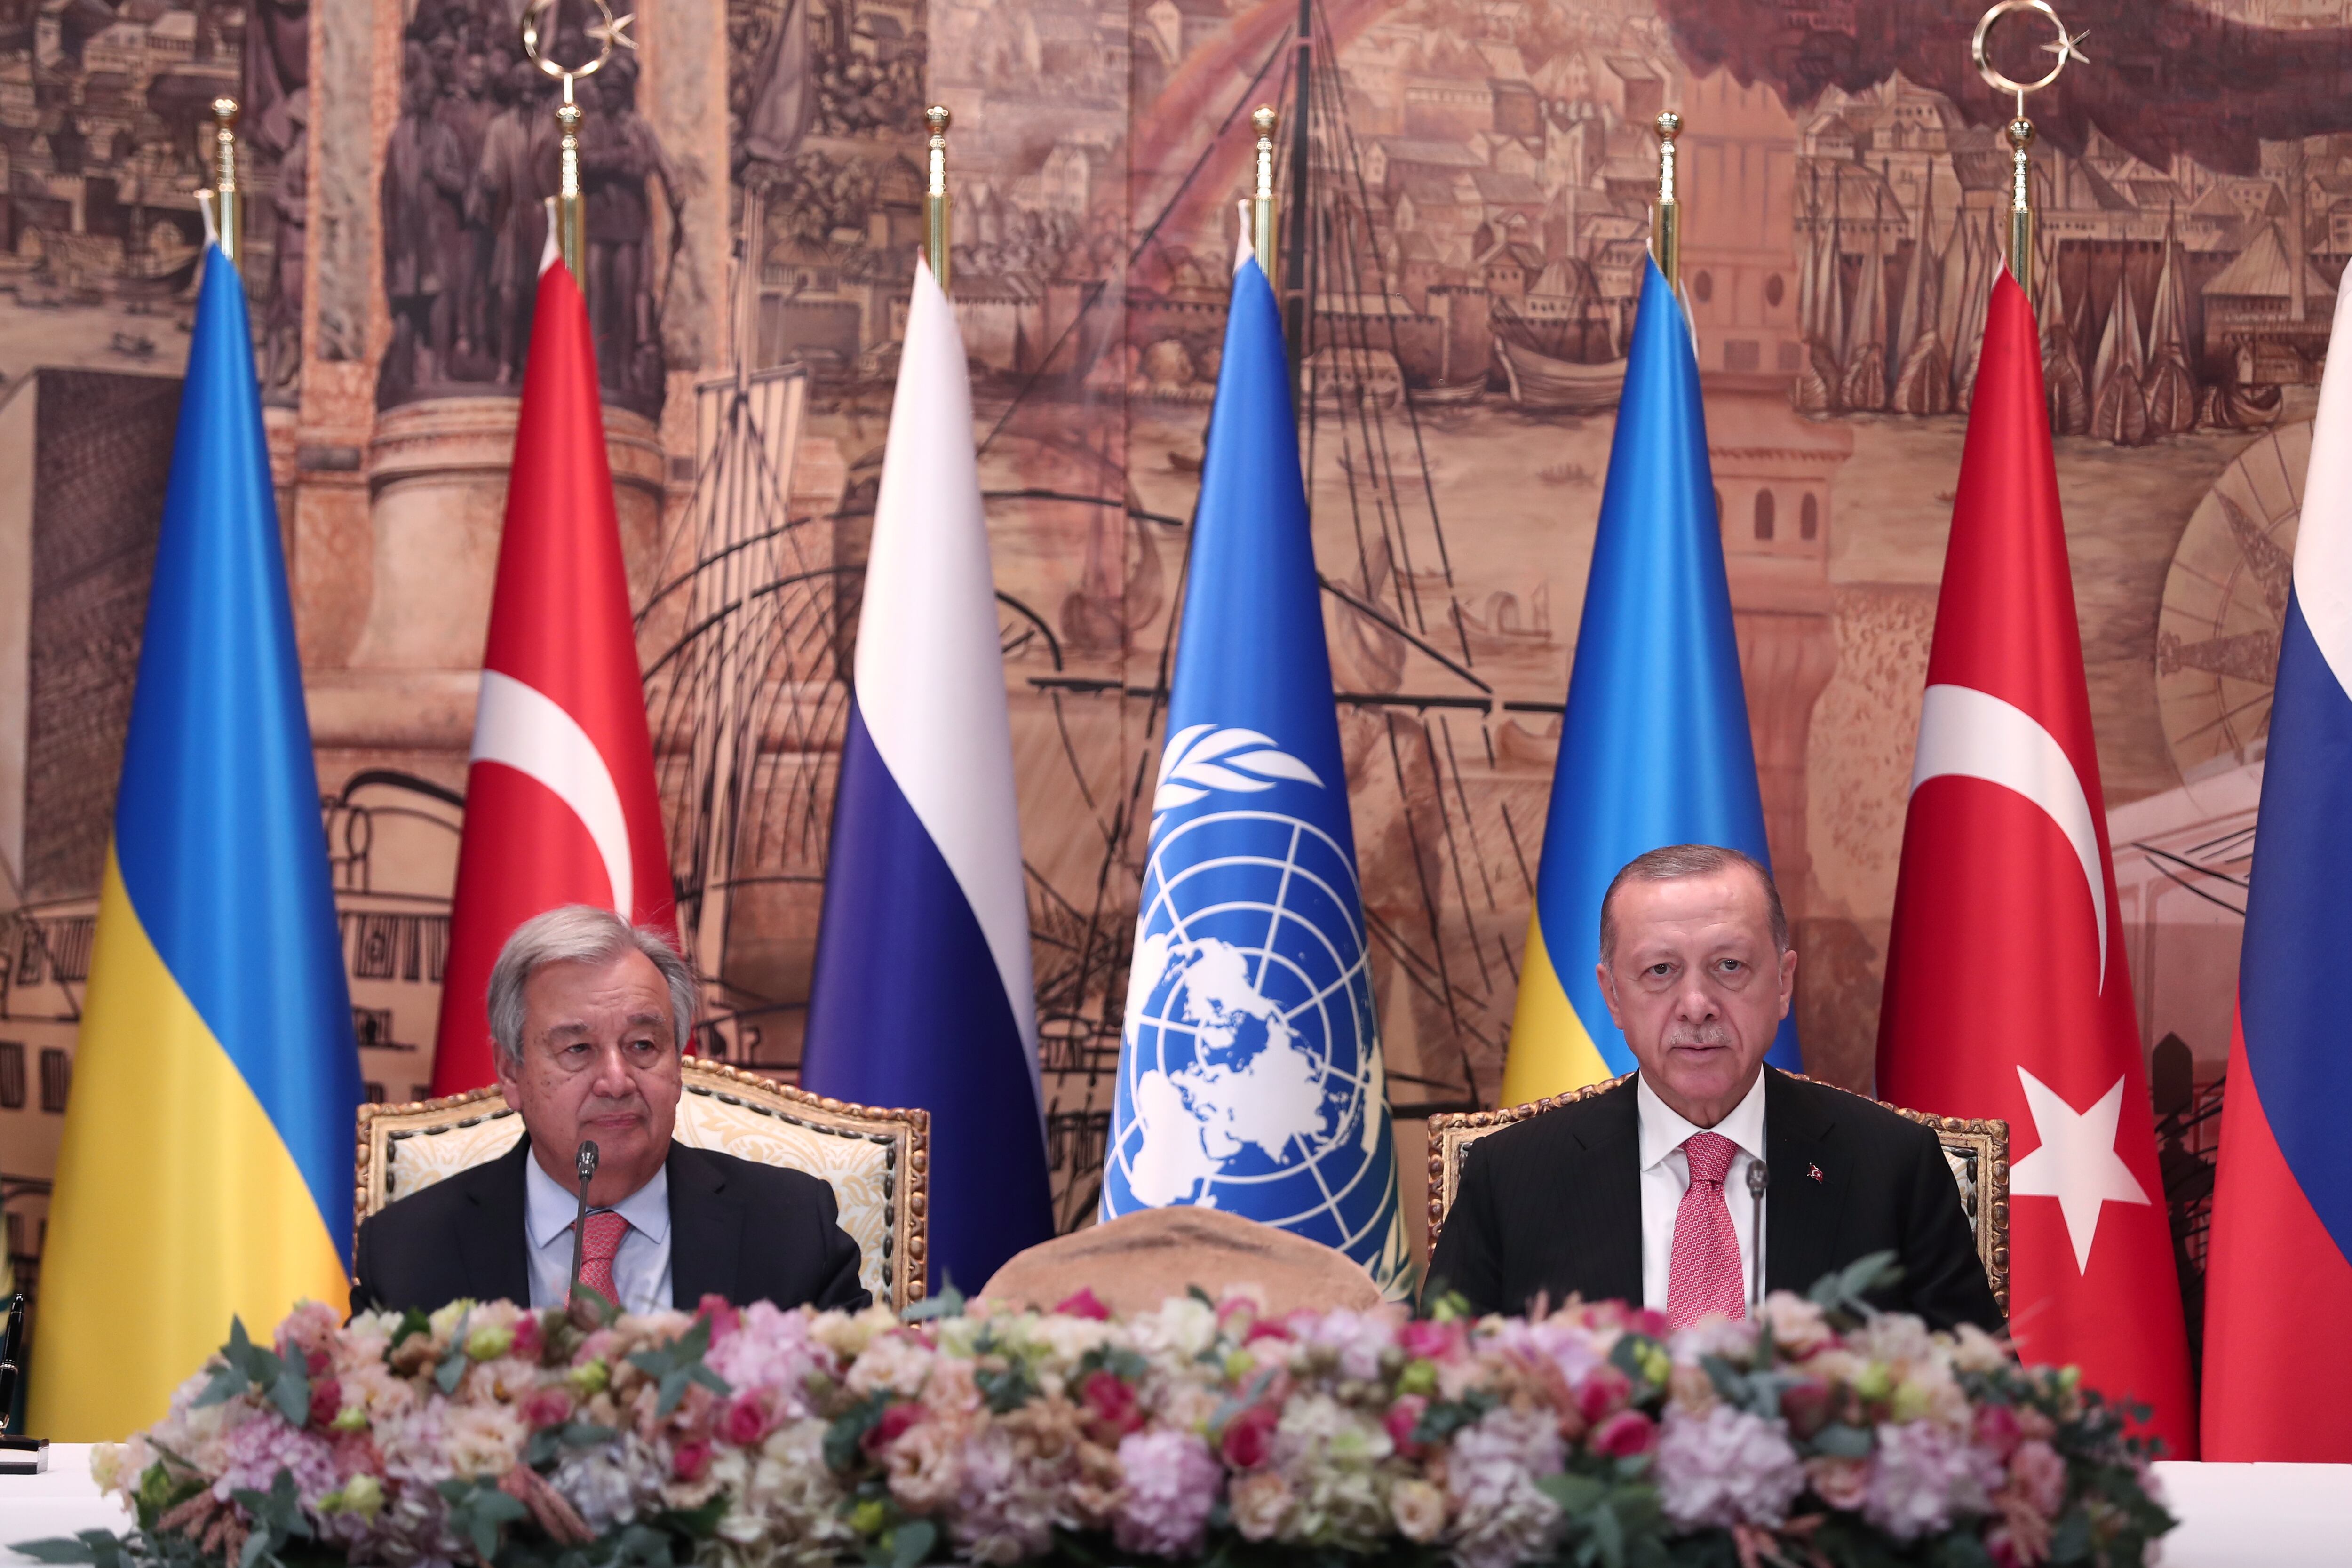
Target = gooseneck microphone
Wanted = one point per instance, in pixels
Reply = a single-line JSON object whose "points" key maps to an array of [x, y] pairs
{"points": [[1757, 1178], [585, 1164]]}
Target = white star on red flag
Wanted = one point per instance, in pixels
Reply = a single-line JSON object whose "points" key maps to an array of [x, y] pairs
{"points": [[2076, 1163]]}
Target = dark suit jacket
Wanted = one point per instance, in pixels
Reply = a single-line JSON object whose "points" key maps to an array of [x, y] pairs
{"points": [[1553, 1206], [744, 1231]]}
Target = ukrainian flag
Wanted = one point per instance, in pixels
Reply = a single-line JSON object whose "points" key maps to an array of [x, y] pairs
{"points": [[1653, 749], [206, 1169]]}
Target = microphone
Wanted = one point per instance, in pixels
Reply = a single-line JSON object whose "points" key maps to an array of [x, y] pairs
{"points": [[1757, 1178], [586, 1163]]}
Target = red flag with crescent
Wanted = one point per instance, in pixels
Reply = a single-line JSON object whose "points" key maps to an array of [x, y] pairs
{"points": [[560, 804], [2007, 990]]}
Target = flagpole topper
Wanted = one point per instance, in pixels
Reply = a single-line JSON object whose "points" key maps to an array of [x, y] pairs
{"points": [[935, 194], [1262, 234], [221, 201], [608, 32], [2019, 132], [1666, 216]]}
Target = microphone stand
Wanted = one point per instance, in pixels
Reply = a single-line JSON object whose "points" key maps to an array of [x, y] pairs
{"points": [[19, 1455], [585, 1164], [1757, 1180]]}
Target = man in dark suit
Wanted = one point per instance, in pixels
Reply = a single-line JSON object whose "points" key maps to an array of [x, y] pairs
{"points": [[1642, 1193], [587, 1013]]}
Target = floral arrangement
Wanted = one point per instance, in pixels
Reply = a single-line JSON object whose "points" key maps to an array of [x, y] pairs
{"points": [[1207, 1430]]}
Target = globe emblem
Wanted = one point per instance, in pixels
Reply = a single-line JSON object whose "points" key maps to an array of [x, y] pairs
{"points": [[1251, 1074]]}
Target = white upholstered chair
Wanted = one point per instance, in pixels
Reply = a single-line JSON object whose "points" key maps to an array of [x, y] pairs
{"points": [[877, 1160]]}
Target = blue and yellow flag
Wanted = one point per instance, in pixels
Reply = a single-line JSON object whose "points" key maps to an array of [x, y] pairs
{"points": [[206, 1169], [1653, 749]]}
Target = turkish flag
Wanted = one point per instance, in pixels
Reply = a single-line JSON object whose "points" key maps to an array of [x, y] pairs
{"points": [[2006, 993], [561, 805]]}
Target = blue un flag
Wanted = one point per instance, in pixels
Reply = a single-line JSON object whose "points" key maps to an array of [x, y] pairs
{"points": [[1250, 1069]]}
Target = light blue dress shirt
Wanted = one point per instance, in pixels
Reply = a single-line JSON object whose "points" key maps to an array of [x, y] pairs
{"points": [[641, 1267]]}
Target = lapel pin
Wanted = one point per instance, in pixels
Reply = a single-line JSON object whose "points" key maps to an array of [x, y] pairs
{"points": [[1814, 1172]]}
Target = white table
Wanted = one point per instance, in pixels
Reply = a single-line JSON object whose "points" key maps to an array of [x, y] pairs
{"points": [[2231, 1516]]}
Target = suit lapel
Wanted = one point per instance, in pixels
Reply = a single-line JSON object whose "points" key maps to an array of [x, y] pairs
{"points": [[495, 1250], [706, 1230], [1609, 1197], [1806, 1201]]}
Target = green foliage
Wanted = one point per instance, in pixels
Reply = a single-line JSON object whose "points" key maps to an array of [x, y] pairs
{"points": [[478, 1511], [948, 1303], [1612, 1520], [249, 1367], [1843, 1293], [678, 1365], [277, 1518], [843, 1438]]}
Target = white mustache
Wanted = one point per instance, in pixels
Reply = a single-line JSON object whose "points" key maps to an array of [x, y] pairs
{"points": [[1709, 1034]]}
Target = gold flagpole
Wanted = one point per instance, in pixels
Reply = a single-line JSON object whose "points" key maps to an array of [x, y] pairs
{"points": [[1666, 215], [938, 244], [565, 210], [1262, 234], [221, 200], [2019, 132]]}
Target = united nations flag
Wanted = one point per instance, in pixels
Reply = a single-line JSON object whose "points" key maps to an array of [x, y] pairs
{"points": [[1250, 1069]]}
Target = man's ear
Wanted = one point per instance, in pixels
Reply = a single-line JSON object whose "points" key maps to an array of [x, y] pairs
{"points": [[1788, 981], [1608, 994]]}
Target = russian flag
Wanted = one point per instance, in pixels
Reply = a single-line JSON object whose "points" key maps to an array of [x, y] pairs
{"points": [[2279, 1271], [922, 993]]}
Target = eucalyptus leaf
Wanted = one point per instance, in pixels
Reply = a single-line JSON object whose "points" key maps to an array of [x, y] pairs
{"points": [[911, 1542]]}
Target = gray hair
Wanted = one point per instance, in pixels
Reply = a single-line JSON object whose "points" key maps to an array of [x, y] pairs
{"points": [[1676, 862], [579, 933]]}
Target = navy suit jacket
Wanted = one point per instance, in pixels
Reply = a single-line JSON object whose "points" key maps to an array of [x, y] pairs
{"points": [[744, 1231]]}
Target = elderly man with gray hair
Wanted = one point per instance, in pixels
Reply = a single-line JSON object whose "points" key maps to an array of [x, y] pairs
{"points": [[589, 1015], [1653, 1191]]}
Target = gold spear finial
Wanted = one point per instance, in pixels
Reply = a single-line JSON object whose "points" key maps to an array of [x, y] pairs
{"points": [[2019, 133], [607, 33], [1263, 120], [1666, 216], [935, 195], [221, 200]]}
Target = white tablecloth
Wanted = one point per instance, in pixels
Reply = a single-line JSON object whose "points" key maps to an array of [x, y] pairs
{"points": [[2231, 1516]]}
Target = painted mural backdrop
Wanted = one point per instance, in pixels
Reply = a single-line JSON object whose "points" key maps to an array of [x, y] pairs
{"points": [[1464, 231]]}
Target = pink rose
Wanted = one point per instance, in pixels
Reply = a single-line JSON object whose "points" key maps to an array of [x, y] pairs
{"points": [[1625, 1435], [894, 1421], [690, 1460], [2040, 1476], [1648, 1320], [722, 1314], [1425, 1339], [326, 1398], [1267, 1328], [530, 1345], [1248, 1438], [1998, 1429], [1603, 1393], [1085, 1304], [745, 1421], [1805, 1405], [1111, 1400], [547, 1407], [1404, 1420]]}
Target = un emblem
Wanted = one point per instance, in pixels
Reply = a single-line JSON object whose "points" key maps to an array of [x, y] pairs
{"points": [[1250, 1074]]}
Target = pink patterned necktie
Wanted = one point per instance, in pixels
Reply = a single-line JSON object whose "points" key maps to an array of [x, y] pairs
{"points": [[602, 1240], [1704, 1275]]}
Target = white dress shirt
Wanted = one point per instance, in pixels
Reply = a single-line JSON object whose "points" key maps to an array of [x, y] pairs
{"points": [[1665, 1177], [640, 1269]]}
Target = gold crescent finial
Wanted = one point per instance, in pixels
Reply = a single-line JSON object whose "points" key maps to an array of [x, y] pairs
{"points": [[2019, 133]]}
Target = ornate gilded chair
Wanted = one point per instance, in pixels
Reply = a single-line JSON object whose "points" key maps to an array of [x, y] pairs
{"points": [[1977, 1151], [878, 1161]]}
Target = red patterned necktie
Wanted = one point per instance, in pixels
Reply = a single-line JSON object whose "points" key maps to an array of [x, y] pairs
{"points": [[601, 1240], [1704, 1275]]}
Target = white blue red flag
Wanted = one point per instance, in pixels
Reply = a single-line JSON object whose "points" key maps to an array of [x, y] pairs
{"points": [[922, 993], [2279, 1271], [1249, 1073]]}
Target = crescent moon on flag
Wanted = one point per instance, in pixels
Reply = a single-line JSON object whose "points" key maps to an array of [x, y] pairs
{"points": [[1968, 733], [523, 727]]}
